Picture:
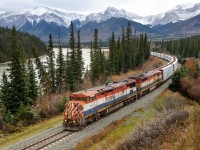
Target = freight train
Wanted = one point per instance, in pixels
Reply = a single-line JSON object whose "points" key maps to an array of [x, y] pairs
{"points": [[89, 105]]}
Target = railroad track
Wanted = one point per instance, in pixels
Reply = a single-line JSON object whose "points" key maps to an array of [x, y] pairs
{"points": [[47, 141]]}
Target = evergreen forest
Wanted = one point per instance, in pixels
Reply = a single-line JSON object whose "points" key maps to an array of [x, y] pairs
{"points": [[182, 48], [29, 94], [25, 42]]}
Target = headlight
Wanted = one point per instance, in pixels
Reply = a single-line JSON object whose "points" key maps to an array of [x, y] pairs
{"points": [[74, 121], [65, 120]]}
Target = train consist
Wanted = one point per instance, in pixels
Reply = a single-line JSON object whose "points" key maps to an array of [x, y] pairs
{"points": [[89, 105]]}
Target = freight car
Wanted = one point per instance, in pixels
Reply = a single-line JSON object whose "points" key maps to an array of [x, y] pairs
{"points": [[89, 105]]}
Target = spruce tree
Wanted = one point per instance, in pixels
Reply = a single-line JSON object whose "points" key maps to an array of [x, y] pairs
{"points": [[32, 82], [68, 72], [80, 62], [51, 65], [73, 59], [95, 57], [18, 80], [120, 56], [60, 71], [39, 66], [123, 43], [4, 90], [42, 75], [112, 54], [128, 48]]}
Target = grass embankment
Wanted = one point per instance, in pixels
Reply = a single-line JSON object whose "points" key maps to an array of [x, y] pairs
{"points": [[166, 124], [30, 131], [115, 131]]}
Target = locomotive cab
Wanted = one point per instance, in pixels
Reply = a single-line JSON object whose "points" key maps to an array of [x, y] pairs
{"points": [[74, 114]]}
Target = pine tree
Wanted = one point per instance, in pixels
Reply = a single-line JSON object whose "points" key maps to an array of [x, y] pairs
{"points": [[73, 59], [80, 62], [39, 66], [68, 71], [128, 47], [112, 54], [32, 82], [18, 82], [95, 57], [102, 60], [51, 65], [146, 47], [123, 43], [120, 56], [60, 72], [44, 83], [5, 90]]}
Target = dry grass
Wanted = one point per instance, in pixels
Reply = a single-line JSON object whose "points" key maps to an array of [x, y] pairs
{"points": [[149, 135], [175, 120], [169, 100], [49, 106], [150, 64], [107, 138], [30, 131], [187, 136], [89, 142]]}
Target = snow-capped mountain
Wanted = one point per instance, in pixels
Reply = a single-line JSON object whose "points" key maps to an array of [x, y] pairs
{"points": [[42, 21], [179, 13], [109, 13], [38, 14], [63, 18]]}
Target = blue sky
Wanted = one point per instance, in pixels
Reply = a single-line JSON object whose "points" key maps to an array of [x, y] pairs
{"points": [[140, 7]]}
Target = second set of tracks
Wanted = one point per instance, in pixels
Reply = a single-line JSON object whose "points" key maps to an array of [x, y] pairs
{"points": [[47, 141]]}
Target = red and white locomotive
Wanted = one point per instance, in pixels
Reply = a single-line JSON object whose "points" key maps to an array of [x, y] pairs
{"points": [[89, 105]]}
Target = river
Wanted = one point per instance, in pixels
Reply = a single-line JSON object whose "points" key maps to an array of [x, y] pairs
{"points": [[86, 57]]}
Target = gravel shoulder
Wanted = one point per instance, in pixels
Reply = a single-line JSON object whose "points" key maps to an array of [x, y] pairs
{"points": [[72, 140]]}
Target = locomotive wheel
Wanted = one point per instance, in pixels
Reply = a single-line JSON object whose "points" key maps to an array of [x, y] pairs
{"points": [[91, 119], [97, 116], [105, 112]]}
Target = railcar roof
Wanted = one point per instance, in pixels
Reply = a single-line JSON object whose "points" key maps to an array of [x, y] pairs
{"points": [[146, 74], [99, 89]]}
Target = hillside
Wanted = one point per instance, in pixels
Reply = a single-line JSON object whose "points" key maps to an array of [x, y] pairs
{"points": [[114, 25], [171, 121], [179, 21], [25, 41], [180, 29]]}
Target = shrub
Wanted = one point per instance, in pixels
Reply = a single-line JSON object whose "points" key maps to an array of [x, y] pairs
{"points": [[9, 118], [42, 114], [191, 87], [62, 104], [147, 135], [25, 115], [171, 102]]}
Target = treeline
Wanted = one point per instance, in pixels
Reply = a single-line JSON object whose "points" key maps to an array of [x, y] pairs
{"points": [[125, 53], [29, 93], [182, 48], [21, 90], [26, 42]]}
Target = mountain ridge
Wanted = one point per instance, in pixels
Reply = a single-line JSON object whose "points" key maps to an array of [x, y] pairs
{"points": [[41, 21]]}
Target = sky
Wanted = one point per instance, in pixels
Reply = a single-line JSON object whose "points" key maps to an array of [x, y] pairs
{"points": [[139, 7]]}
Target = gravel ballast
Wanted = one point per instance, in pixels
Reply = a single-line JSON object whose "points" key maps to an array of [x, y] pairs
{"points": [[72, 140]]}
